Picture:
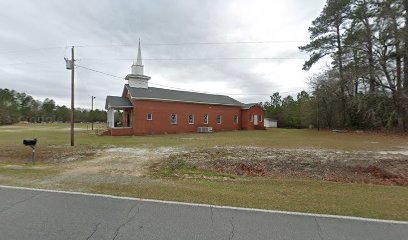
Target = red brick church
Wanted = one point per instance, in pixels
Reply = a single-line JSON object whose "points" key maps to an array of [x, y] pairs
{"points": [[148, 110]]}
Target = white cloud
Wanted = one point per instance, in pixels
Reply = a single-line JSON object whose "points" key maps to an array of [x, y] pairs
{"points": [[41, 24]]}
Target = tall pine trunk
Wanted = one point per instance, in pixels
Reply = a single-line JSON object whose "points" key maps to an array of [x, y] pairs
{"points": [[405, 51], [404, 91], [399, 98], [341, 73]]}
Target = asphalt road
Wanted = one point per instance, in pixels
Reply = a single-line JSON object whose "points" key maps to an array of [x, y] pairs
{"points": [[42, 215]]}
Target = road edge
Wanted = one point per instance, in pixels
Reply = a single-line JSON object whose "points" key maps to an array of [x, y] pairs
{"points": [[341, 217]]}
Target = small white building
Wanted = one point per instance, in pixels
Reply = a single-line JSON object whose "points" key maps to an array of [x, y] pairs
{"points": [[270, 123]]}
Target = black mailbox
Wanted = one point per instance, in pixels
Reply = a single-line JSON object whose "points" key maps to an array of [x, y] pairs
{"points": [[31, 143]]}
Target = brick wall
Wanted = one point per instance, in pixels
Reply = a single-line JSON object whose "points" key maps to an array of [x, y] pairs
{"points": [[246, 114], [162, 111], [121, 131]]}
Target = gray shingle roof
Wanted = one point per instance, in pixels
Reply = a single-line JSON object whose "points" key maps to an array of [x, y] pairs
{"points": [[184, 96], [117, 102], [249, 105]]}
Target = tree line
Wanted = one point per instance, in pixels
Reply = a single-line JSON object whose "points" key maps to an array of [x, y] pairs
{"points": [[290, 112], [366, 85], [16, 107]]}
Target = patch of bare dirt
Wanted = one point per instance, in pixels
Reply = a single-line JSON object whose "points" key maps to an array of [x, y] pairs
{"points": [[389, 167], [45, 154], [113, 165]]}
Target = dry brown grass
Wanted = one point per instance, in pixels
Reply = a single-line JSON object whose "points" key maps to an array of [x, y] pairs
{"points": [[138, 166]]}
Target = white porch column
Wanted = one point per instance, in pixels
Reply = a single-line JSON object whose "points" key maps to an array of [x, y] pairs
{"points": [[111, 118]]}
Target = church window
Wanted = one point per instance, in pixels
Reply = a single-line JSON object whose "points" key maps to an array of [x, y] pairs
{"points": [[236, 119], [149, 116], [173, 118], [219, 119], [205, 118], [191, 119]]}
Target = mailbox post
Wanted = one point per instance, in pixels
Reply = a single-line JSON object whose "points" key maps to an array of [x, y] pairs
{"points": [[31, 143]]}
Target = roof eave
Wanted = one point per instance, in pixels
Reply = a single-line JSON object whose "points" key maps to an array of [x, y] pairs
{"points": [[129, 76], [119, 107], [184, 101]]}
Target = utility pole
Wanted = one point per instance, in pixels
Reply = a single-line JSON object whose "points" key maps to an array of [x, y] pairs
{"points": [[72, 95], [70, 65], [92, 113]]}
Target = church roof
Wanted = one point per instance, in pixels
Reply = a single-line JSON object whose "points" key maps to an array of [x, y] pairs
{"points": [[249, 105], [117, 102], [163, 94]]}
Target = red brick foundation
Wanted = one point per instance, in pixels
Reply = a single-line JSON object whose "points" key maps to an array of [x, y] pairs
{"points": [[121, 131]]}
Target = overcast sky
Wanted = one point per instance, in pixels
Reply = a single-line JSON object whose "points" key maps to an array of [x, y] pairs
{"points": [[262, 36]]}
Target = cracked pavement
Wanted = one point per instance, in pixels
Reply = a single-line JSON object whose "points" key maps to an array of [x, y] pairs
{"points": [[232, 233], [27, 214]]}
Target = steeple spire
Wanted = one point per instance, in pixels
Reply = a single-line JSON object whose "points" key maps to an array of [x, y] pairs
{"points": [[137, 67], [139, 56], [137, 78]]}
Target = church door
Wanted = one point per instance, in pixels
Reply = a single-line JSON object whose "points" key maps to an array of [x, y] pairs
{"points": [[129, 119]]}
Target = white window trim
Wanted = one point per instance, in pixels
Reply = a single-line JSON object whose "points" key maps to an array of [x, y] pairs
{"points": [[151, 116], [206, 122], [189, 119], [173, 123], [220, 122], [251, 118], [236, 122], [260, 118]]}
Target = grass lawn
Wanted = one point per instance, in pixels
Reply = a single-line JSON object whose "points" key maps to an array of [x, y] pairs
{"points": [[387, 202], [58, 134], [85, 168]]}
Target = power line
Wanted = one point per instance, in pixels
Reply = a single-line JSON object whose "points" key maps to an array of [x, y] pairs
{"points": [[93, 70], [199, 59], [231, 42], [182, 89], [25, 63], [152, 44], [30, 49], [196, 43], [111, 75]]}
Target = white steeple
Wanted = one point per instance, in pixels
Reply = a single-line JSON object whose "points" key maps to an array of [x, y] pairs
{"points": [[137, 67], [137, 78]]}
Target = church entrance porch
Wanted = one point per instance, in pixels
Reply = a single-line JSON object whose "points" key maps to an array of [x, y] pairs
{"points": [[119, 121], [119, 116]]}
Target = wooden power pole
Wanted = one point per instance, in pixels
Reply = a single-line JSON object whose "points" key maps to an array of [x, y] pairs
{"points": [[72, 95], [92, 113]]}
